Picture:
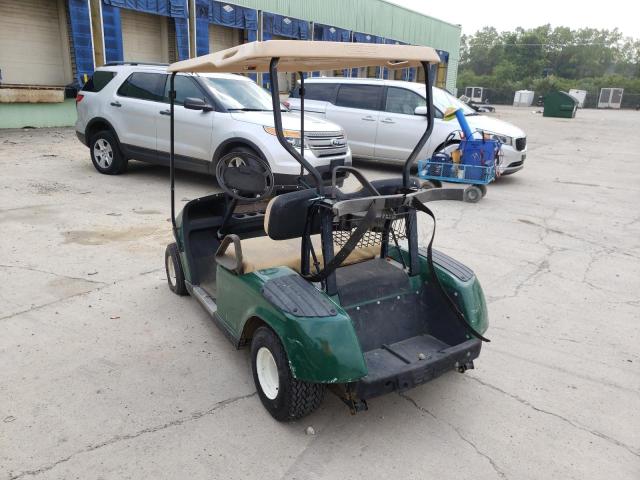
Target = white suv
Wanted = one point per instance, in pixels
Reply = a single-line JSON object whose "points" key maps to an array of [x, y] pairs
{"points": [[384, 119], [123, 113]]}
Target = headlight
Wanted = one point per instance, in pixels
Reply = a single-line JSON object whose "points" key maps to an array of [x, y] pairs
{"points": [[291, 136], [503, 139]]}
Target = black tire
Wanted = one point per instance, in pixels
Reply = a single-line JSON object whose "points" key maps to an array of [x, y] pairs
{"points": [[105, 153], [173, 268], [242, 149], [483, 189], [294, 398], [472, 194]]}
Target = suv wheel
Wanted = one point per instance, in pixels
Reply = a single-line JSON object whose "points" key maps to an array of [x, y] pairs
{"points": [[105, 153]]}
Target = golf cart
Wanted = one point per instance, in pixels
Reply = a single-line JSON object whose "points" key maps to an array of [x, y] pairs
{"points": [[329, 288]]}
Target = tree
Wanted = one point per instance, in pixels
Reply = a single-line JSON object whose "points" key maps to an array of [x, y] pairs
{"points": [[546, 59]]}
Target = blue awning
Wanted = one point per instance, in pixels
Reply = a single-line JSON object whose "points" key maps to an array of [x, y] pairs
{"points": [[444, 56], [328, 33], [112, 25], [112, 28], [282, 26], [226, 15], [366, 38], [80, 22], [168, 8], [234, 16]]}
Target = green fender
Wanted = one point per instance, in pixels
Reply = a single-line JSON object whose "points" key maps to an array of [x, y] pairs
{"points": [[319, 349], [468, 294]]}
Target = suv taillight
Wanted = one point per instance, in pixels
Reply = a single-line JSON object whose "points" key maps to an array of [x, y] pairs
{"points": [[79, 98]]}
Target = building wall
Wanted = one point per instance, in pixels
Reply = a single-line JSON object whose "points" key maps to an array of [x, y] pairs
{"points": [[376, 17]]}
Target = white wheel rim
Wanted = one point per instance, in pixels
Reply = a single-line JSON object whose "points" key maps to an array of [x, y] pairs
{"points": [[103, 153], [267, 373], [172, 271]]}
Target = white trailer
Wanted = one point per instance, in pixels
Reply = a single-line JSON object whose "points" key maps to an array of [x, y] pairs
{"points": [[610, 98], [476, 94], [579, 95], [523, 98]]}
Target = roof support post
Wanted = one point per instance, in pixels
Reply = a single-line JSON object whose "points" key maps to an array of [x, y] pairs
{"points": [[406, 172], [277, 119], [172, 166]]}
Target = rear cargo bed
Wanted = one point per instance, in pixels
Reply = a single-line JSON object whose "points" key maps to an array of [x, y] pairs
{"points": [[406, 332]]}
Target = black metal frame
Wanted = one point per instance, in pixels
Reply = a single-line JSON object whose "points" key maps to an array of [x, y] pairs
{"points": [[326, 215]]}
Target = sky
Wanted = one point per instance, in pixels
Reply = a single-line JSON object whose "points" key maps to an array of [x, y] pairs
{"points": [[503, 15]]}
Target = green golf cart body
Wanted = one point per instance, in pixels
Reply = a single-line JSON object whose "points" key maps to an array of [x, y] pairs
{"points": [[382, 315]]}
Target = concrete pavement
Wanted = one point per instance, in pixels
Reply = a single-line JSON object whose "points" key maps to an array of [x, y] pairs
{"points": [[106, 374]]}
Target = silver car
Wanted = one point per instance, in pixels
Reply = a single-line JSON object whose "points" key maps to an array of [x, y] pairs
{"points": [[384, 119]]}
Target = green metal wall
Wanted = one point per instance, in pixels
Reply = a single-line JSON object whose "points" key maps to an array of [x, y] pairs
{"points": [[20, 115], [376, 17]]}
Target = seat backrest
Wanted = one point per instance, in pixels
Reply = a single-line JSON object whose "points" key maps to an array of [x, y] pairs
{"points": [[287, 215]]}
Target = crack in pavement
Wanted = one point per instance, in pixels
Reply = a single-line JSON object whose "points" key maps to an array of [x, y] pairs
{"points": [[130, 436], [79, 294], [31, 269], [492, 462], [558, 416]]}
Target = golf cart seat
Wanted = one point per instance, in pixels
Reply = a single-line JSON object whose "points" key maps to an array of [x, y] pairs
{"points": [[285, 223], [264, 252]]}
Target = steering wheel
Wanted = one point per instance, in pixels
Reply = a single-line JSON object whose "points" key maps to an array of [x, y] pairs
{"points": [[245, 176]]}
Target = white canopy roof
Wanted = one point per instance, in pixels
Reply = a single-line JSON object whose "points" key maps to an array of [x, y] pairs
{"points": [[307, 56]]}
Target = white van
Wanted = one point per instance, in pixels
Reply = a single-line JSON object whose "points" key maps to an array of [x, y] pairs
{"points": [[384, 119]]}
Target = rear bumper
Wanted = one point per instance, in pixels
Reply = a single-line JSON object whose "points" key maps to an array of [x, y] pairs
{"points": [[81, 137], [417, 372]]}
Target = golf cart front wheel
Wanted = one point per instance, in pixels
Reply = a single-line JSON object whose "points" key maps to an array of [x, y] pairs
{"points": [[472, 194], [285, 397], [173, 267]]}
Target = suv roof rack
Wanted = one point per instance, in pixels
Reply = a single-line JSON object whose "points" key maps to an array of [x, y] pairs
{"points": [[155, 64]]}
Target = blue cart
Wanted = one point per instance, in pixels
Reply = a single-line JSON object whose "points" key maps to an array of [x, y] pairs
{"points": [[474, 164]]}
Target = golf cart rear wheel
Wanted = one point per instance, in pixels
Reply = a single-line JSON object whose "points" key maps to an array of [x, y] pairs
{"points": [[173, 267], [284, 397], [472, 194]]}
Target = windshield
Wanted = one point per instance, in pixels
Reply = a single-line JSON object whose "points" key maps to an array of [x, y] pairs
{"points": [[240, 94], [443, 100]]}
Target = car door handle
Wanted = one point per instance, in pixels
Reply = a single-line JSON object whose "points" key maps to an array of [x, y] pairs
{"points": [[116, 104], [369, 119], [165, 112], [387, 120]]}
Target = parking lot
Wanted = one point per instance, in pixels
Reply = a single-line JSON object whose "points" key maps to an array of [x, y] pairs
{"points": [[106, 374]]}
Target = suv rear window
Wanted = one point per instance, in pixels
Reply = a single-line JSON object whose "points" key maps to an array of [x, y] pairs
{"points": [[98, 81], [145, 86], [365, 97], [325, 92]]}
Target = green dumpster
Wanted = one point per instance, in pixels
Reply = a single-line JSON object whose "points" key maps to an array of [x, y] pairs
{"points": [[560, 104]]}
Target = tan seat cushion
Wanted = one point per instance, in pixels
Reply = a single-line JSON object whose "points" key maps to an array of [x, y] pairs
{"points": [[263, 252]]}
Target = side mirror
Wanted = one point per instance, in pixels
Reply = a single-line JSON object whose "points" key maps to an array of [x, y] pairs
{"points": [[192, 103], [420, 111]]}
